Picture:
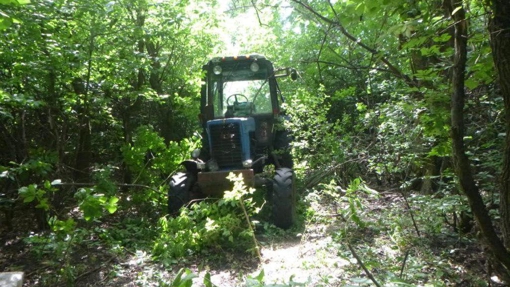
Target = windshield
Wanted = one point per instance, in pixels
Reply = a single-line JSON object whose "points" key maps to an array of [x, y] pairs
{"points": [[241, 98]]}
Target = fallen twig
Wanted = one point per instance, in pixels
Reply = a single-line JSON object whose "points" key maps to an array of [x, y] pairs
{"points": [[255, 242], [404, 264], [318, 176], [411, 213], [360, 262], [93, 270]]}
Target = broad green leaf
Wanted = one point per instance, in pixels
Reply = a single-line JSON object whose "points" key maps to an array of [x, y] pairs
{"points": [[111, 205], [8, 2], [43, 204], [5, 23], [28, 193], [207, 280], [471, 83]]}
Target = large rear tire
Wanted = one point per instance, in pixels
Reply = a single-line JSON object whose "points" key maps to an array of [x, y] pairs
{"points": [[284, 198], [179, 193]]}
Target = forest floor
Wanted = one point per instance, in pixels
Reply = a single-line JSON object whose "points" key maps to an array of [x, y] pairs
{"points": [[316, 253]]}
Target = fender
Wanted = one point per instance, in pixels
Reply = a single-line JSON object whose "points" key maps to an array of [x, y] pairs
{"points": [[191, 165]]}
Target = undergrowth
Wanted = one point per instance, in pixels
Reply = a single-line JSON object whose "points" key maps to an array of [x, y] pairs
{"points": [[101, 225], [397, 238], [384, 238]]}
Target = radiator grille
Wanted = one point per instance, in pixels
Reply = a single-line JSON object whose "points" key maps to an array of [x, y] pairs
{"points": [[226, 144]]}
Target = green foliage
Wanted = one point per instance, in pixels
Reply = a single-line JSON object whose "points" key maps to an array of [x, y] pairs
{"points": [[39, 195], [451, 206], [215, 223], [116, 84], [388, 128], [390, 247], [93, 204], [41, 165], [184, 278], [5, 20], [186, 281], [59, 246], [66, 233], [62, 228], [355, 205], [354, 197], [150, 159], [316, 141]]}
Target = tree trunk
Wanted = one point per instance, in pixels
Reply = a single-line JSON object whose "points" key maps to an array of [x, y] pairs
{"points": [[499, 28], [462, 164], [84, 146], [83, 150], [83, 158]]}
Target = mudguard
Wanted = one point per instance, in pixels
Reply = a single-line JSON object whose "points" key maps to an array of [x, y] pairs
{"points": [[191, 165]]}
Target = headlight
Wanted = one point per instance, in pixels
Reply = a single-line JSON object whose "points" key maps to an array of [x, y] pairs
{"points": [[247, 163], [217, 70], [254, 67]]}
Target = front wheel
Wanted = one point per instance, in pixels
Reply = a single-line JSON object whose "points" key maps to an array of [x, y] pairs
{"points": [[284, 198], [180, 191]]}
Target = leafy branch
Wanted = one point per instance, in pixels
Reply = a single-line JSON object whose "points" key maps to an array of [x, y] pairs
{"points": [[379, 55]]}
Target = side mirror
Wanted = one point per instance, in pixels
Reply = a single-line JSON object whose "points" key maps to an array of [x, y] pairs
{"points": [[293, 74], [285, 72]]}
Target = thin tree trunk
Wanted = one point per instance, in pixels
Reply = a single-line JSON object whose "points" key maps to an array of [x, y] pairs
{"points": [[462, 164], [84, 148], [130, 110]]}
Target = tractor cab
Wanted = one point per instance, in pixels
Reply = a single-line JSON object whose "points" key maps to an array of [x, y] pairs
{"points": [[239, 87]]}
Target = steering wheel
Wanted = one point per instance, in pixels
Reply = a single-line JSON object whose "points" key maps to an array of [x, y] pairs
{"points": [[234, 96]]}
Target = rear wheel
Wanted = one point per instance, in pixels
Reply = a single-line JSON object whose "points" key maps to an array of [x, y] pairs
{"points": [[179, 193], [284, 198]]}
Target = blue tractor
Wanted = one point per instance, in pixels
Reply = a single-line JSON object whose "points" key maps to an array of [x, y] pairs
{"points": [[243, 132]]}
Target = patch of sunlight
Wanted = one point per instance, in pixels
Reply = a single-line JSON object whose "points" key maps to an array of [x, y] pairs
{"points": [[313, 263]]}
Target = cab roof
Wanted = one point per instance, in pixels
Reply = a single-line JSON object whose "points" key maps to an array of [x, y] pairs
{"points": [[237, 58]]}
